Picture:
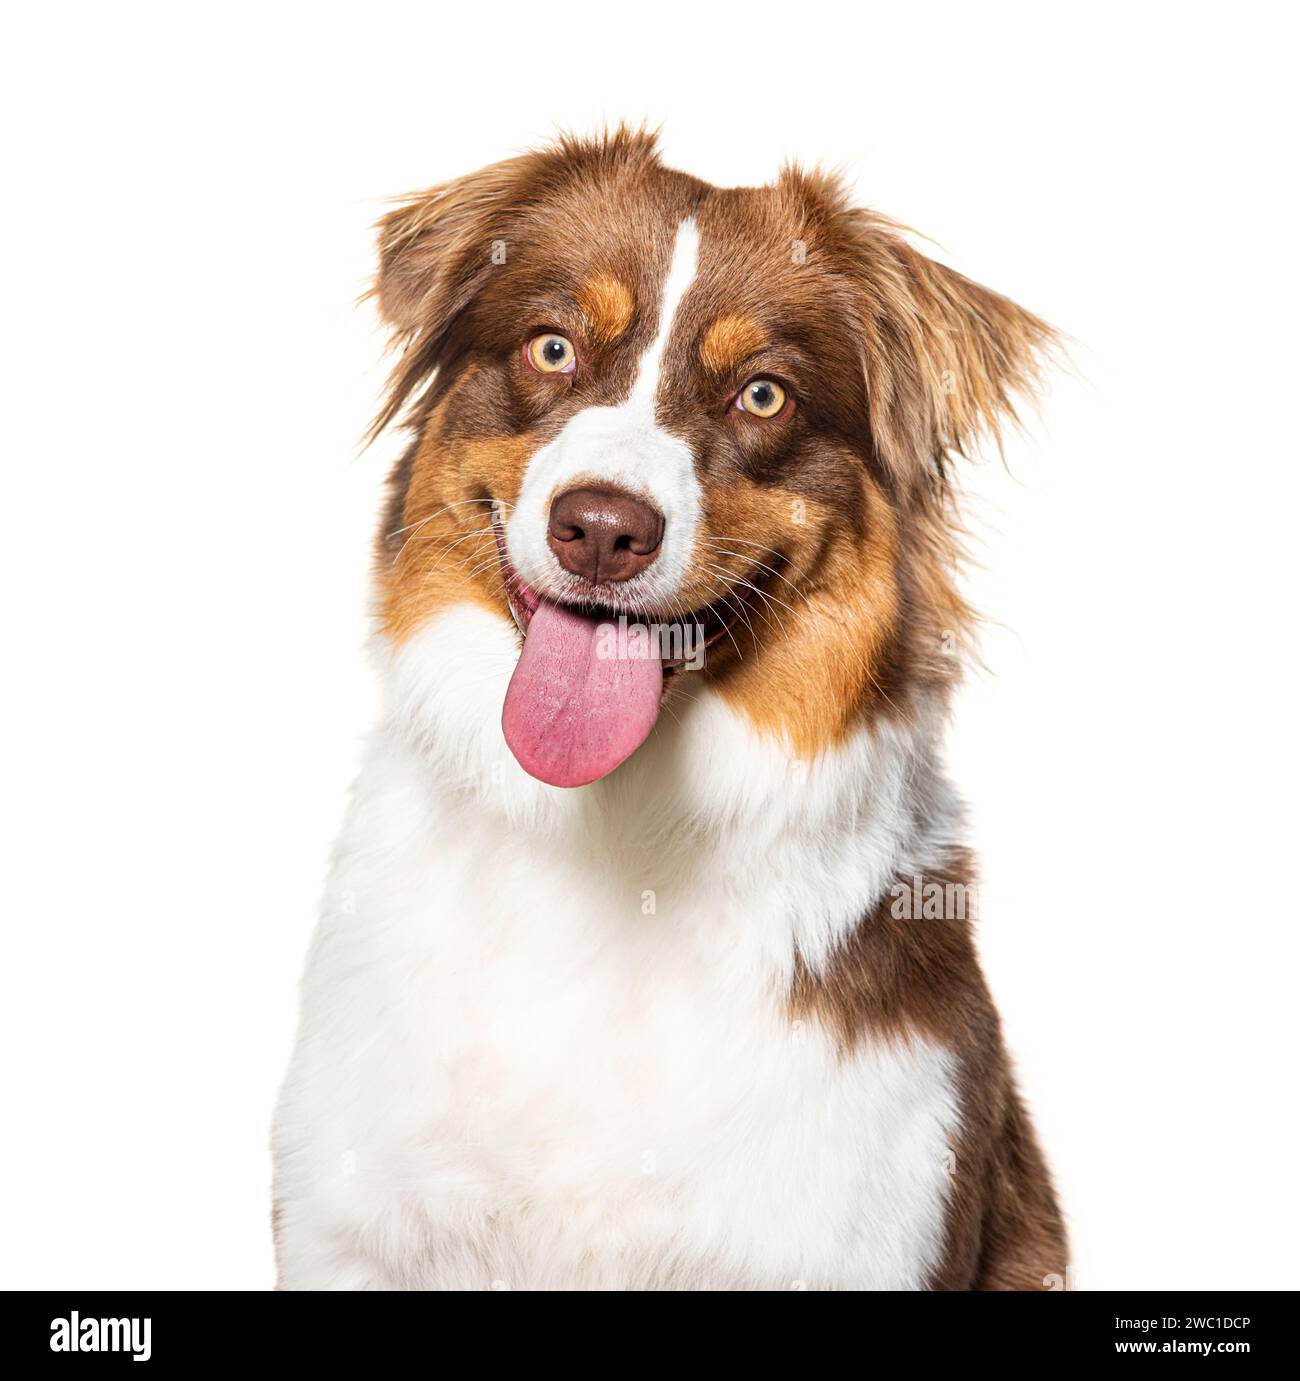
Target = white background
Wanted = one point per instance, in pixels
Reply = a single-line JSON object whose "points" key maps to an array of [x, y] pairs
{"points": [[186, 518]]}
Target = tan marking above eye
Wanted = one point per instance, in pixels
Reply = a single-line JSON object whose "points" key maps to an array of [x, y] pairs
{"points": [[606, 306], [551, 353], [730, 341], [761, 398]]}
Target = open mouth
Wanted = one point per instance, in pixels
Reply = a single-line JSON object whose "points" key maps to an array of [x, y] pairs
{"points": [[681, 639], [590, 679]]}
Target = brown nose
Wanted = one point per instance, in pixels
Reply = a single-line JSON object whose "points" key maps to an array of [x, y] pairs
{"points": [[604, 534]]}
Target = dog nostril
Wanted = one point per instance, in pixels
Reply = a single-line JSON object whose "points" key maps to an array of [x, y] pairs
{"points": [[604, 534]]}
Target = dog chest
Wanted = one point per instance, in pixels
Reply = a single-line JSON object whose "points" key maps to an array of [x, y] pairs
{"points": [[602, 1080]]}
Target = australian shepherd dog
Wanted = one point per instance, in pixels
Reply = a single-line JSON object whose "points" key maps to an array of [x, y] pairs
{"points": [[646, 960]]}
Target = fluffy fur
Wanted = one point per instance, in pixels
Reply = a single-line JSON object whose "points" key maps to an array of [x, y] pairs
{"points": [[666, 1030]]}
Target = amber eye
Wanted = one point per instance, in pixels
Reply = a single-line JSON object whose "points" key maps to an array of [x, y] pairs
{"points": [[761, 398], [551, 354]]}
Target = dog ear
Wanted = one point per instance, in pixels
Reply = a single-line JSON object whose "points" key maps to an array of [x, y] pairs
{"points": [[945, 359], [435, 251], [438, 245]]}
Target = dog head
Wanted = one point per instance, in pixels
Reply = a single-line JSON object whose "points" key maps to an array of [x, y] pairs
{"points": [[673, 431]]}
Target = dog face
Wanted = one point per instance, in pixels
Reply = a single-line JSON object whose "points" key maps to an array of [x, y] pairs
{"points": [[674, 430]]}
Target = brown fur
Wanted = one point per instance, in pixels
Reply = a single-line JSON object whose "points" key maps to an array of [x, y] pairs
{"points": [[729, 342], [841, 510], [897, 978], [606, 306]]}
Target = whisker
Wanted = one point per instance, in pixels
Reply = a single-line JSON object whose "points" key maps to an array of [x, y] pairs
{"points": [[413, 528], [758, 565], [738, 610], [861, 660]]}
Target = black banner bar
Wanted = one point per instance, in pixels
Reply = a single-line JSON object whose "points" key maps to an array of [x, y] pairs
{"points": [[71, 1328]]}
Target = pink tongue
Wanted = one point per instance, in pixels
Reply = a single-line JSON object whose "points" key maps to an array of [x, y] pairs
{"points": [[579, 703]]}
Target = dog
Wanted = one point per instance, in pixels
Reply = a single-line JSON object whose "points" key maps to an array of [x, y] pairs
{"points": [[644, 962]]}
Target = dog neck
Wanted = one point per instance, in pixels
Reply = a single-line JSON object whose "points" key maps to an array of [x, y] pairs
{"points": [[708, 804]]}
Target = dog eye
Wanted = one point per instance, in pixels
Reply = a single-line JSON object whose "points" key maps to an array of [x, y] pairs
{"points": [[551, 354], [761, 398]]}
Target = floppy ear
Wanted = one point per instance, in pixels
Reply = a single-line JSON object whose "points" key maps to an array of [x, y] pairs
{"points": [[435, 247], [435, 251], [945, 358]]}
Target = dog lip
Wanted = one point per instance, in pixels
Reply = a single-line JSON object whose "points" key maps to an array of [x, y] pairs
{"points": [[717, 618], [520, 596]]}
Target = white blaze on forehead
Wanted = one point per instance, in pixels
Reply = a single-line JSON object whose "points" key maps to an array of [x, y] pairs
{"points": [[681, 274], [623, 446]]}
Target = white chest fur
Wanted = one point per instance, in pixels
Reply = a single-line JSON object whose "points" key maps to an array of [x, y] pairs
{"points": [[544, 1040]]}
